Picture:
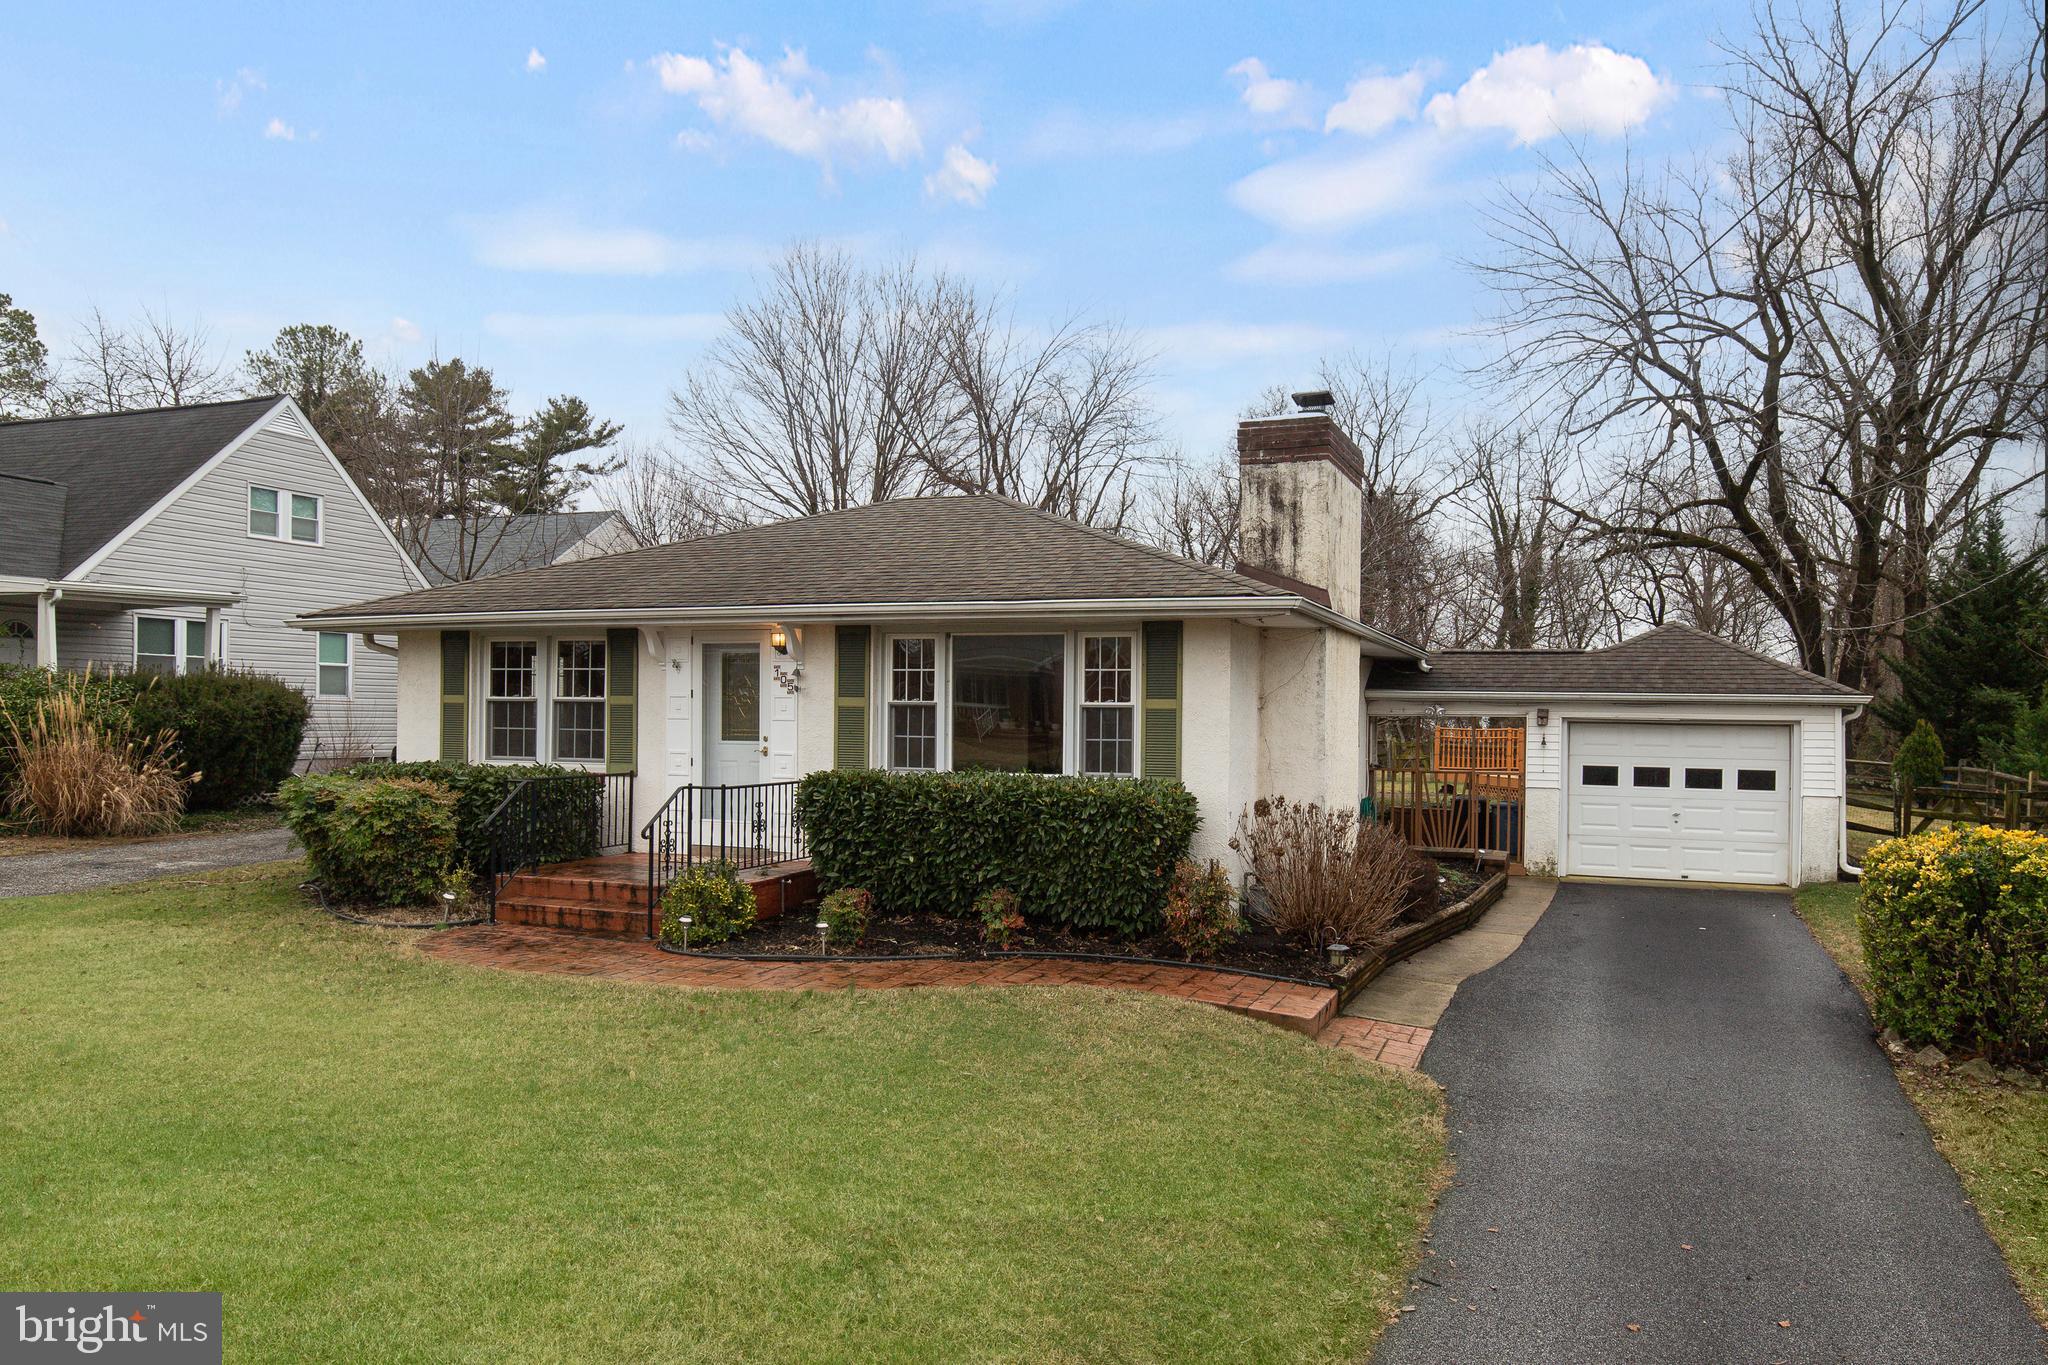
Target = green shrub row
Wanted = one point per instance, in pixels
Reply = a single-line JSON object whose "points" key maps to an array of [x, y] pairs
{"points": [[481, 787], [238, 730], [1090, 852], [1955, 936], [374, 841]]}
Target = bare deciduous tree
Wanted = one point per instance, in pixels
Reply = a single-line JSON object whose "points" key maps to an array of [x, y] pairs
{"points": [[662, 500], [155, 364], [1807, 360]]}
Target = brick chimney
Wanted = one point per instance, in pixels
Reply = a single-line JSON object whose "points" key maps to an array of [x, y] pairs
{"points": [[1298, 503]]}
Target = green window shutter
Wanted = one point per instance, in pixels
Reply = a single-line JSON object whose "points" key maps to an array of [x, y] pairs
{"points": [[454, 696], [1159, 737], [850, 700], [621, 719]]}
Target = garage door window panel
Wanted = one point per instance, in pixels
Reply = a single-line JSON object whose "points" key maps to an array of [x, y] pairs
{"points": [[1703, 779], [1651, 777], [1756, 779]]}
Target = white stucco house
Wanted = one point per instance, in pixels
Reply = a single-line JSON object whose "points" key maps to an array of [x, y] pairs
{"points": [[173, 538], [958, 632]]}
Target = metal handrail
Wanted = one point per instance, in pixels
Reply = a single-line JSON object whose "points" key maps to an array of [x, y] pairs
{"points": [[744, 825], [523, 830]]}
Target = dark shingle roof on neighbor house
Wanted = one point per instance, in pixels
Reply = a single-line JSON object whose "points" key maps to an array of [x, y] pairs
{"points": [[114, 466], [31, 526], [502, 544], [913, 550], [1670, 660]]}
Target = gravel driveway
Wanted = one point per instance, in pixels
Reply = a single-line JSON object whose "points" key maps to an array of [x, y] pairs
{"points": [[1666, 1110], [41, 874]]}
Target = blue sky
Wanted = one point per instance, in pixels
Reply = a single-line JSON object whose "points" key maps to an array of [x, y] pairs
{"points": [[571, 198]]}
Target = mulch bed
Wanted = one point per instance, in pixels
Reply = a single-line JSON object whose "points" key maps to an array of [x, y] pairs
{"points": [[474, 911], [1259, 949]]}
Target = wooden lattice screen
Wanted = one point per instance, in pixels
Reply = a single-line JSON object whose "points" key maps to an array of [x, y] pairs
{"points": [[1464, 749]]}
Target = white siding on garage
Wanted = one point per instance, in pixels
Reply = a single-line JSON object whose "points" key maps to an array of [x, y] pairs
{"points": [[202, 541]]}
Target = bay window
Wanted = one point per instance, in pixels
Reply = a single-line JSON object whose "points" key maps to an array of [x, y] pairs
{"points": [[914, 703], [512, 701], [1009, 705], [579, 700], [1109, 720]]}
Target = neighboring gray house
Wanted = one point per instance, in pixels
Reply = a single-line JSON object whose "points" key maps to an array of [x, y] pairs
{"points": [[164, 539], [455, 550]]}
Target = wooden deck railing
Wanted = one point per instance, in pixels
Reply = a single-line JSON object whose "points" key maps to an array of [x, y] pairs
{"points": [[1465, 749], [1468, 810]]}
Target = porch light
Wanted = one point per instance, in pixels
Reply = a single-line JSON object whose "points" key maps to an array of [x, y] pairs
{"points": [[778, 640], [1340, 953]]}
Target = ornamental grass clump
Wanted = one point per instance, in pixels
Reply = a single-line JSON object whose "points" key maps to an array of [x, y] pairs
{"points": [[1955, 933], [1326, 877], [82, 768]]}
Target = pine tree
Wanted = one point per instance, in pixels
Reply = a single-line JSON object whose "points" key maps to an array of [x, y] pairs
{"points": [[537, 474], [1970, 663], [1919, 760]]}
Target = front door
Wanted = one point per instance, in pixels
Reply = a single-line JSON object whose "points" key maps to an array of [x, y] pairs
{"points": [[734, 739]]}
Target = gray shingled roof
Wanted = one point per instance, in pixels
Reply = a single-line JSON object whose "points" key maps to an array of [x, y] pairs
{"points": [[115, 466], [32, 511], [945, 549], [1667, 661], [502, 544]]}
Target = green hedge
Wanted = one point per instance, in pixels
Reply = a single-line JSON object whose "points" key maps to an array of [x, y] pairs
{"points": [[480, 788], [374, 841], [1090, 852], [237, 729], [1955, 936]]}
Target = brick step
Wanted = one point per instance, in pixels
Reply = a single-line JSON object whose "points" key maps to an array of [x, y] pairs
{"points": [[547, 886], [587, 917]]}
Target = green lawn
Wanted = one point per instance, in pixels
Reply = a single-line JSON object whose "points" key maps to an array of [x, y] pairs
{"points": [[378, 1156], [1995, 1136]]}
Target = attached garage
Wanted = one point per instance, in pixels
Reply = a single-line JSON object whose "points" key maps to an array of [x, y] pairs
{"points": [[1685, 802], [1672, 756]]}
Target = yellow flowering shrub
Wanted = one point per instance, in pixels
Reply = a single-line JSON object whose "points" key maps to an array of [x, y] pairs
{"points": [[1955, 932]]}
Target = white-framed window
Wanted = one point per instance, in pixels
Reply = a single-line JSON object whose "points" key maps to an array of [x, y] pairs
{"points": [[1009, 711], [166, 644], [278, 514], [335, 666], [306, 518], [1109, 712], [579, 701], [263, 505], [512, 700], [914, 702]]}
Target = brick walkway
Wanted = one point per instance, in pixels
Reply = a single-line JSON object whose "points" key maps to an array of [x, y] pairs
{"points": [[1305, 1009], [1394, 1044]]}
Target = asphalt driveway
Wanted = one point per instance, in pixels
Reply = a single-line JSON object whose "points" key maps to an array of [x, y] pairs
{"points": [[1666, 1110]]}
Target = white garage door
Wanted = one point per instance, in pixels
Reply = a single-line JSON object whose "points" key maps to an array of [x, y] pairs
{"points": [[1685, 802]]}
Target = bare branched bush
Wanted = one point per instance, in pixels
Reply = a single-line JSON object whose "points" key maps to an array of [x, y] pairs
{"points": [[82, 774], [1327, 878]]}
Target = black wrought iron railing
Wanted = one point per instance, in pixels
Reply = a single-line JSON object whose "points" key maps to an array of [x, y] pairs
{"points": [[747, 826], [555, 819]]}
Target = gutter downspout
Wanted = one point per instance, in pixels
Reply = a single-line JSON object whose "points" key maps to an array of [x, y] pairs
{"points": [[370, 643], [1842, 747]]}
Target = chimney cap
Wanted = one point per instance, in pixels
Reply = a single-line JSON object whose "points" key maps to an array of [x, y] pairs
{"points": [[1315, 400]]}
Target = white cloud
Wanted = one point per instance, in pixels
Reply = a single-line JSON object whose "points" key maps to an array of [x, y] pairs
{"points": [[589, 327], [1270, 97], [1213, 345], [1374, 103], [405, 330], [535, 62], [961, 176], [737, 92], [539, 242], [1327, 192], [1534, 93], [1304, 264], [277, 130], [229, 94]]}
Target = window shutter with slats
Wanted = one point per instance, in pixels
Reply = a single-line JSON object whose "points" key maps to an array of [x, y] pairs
{"points": [[850, 698], [454, 696], [621, 727], [1159, 740]]}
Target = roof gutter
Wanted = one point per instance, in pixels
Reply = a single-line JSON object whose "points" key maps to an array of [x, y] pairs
{"points": [[1856, 700], [118, 594], [1240, 606]]}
